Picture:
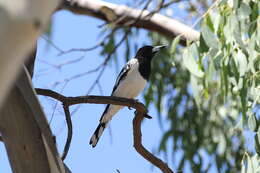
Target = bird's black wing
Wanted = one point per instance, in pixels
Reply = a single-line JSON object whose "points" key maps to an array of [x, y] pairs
{"points": [[121, 76]]}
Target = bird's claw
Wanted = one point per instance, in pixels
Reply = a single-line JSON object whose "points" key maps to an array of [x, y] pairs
{"points": [[129, 108]]}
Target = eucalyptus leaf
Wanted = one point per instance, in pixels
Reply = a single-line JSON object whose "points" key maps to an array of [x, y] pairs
{"points": [[241, 62], [217, 60], [258, 136], [252, 123], [174, 44], [191, 64], [209, 37], [209, 22], [203, 46], [244, 11], [257, 143]]}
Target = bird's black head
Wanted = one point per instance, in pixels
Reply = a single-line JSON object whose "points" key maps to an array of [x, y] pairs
{"points": [[148, 52], [144, 56]]}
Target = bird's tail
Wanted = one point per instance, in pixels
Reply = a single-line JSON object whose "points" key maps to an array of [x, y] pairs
{"points": [[98, 132]]}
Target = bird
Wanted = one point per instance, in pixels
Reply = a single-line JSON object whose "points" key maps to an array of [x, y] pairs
{"points": [[129, 83]]}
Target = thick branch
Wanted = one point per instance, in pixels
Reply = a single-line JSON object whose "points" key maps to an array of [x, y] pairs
{"points": [[141, 112], [123, 15], [92, 99]]}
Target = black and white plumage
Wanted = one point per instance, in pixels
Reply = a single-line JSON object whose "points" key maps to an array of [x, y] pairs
{"points": [[130, 82]]}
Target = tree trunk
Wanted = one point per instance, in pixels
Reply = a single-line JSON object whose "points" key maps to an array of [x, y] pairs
{"points": [[25, 131]]}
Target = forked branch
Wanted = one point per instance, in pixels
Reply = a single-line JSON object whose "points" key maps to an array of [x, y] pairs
{"points": [[141, 112]]}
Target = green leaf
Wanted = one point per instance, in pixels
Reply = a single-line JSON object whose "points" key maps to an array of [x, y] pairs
{"points": [[209, 23], [243, 96], [228, 33], [244, 11], [203, 46], [225, 81], [209, 37], [196, 90], [217, 19], [249, 165], [108, 46], [258, 136], [253, 18], [165, 137], [175, 42], [217, 60], [241, 63], [191, 64], [252, 123], [257, 143]]}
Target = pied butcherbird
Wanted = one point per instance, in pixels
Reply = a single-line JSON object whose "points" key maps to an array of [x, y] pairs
{"points": [[129, 83]]}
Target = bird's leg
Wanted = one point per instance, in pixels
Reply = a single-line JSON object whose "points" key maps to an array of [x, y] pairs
{"points": [[136, 100]]}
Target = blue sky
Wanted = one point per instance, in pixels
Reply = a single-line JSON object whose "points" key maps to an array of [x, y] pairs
{"points": [[115, 149]]}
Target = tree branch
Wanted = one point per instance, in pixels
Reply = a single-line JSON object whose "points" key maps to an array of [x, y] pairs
{"points": [[140, 148], [69, 137], [92, 99], [156, 22], [141, 112]]}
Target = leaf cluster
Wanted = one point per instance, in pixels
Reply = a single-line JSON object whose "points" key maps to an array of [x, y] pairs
{"points": [[210, 92]]}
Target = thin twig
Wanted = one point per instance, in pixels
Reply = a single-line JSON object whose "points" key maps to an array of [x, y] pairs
{"points": [[54, 84], [69, 125], [135, 20], [56, 104], [81, 49], [100, 88], [44, 37], [61, 52], [106, 61]]}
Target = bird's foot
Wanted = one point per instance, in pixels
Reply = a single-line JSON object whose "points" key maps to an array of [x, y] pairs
{"points": [[129, 108]]}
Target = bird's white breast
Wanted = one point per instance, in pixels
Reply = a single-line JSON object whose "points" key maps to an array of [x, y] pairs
{"points": [[133, 83], [129, 87]]}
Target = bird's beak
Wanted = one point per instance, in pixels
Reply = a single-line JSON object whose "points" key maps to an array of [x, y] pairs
{"points": [[158, 48]]}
